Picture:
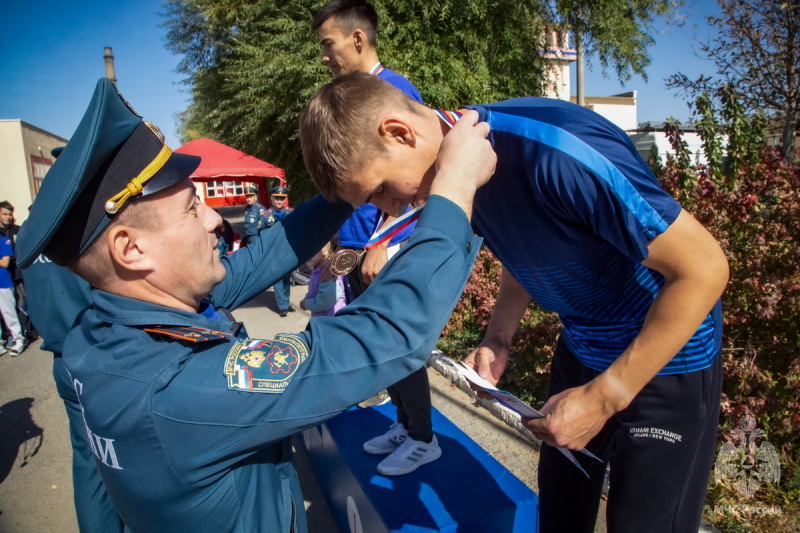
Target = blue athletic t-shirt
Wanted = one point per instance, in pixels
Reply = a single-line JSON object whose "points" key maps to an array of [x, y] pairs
{"points": [[6, 250], [569, 213], [361, 225]]}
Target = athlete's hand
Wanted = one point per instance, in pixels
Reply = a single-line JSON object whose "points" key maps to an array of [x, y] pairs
{"points": [[374, 261], [572, 417], [489, 360]]}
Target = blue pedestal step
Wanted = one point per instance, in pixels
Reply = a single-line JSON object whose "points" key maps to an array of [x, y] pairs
{"points": [[464, 491]]}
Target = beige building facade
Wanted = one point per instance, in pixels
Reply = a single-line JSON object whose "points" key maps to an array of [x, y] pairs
{"points": [[24, 160]]}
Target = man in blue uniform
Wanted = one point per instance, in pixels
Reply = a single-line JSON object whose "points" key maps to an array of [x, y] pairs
{"points": [[188, 417], [252, 214], [276, 213], [348, 32], [55, 298], [581, 225]]}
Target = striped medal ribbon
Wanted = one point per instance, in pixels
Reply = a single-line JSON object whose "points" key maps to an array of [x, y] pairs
{"points": [[344, 261]]}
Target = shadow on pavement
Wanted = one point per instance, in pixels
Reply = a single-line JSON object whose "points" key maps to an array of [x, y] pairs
{"points": [[19, 432]]}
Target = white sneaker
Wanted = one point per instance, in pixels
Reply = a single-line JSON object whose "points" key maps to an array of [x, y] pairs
{"points": [[409, 456], [388, 442], [17, 348], [379, 399]]}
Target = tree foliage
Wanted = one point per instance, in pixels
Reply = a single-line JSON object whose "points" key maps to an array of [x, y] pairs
{"points": [[252, 65], [757, 52]]}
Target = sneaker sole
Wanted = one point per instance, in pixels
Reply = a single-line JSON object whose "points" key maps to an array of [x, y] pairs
{"points": [[409, 469], [380, 451]]}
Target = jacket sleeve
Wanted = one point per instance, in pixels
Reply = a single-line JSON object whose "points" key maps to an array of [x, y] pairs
{"points": [[380, 338]]}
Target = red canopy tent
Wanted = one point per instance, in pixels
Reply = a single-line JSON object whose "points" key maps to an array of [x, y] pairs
{"points": [[224, 172]]}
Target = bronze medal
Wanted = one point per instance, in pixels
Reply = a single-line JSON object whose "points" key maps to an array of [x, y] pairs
{"points": [[344, 261]]}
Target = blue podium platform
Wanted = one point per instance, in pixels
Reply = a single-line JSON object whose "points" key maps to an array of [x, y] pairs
{"points": [[464, 491]]}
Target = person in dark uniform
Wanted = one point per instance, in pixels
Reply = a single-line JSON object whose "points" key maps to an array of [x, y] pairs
{"points": [[272, 216], [581, 225], [55, 298], [188, 417], [253, 224]]}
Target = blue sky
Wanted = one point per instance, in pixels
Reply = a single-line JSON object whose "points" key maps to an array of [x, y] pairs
{"points": [[51, 56], [675, 51]]}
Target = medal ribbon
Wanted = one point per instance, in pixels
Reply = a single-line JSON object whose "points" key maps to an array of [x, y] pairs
{"points": [[384, 233], [376, 69], [448, 117]]}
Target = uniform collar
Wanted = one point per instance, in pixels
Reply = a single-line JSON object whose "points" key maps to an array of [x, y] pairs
{"points": [[116, 309]]}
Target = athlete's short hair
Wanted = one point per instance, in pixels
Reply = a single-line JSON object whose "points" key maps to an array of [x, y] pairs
{"points": [[350, 14], [339, 127]]}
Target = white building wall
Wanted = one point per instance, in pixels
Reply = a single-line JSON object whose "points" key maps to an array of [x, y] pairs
{"points": [[644, 141], [21, 144], [621, 114]]}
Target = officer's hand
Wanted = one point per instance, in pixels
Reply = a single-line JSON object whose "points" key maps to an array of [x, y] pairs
{"points": [[374, 261], [303, 304], [489, 360], [572, 417], [465, 161]]}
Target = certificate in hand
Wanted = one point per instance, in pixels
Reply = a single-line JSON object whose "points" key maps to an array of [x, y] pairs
{"points": [[516, 405]]}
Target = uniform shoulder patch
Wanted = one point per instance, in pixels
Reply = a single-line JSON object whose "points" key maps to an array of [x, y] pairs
{"points": [[265, 365], [188, 333]]}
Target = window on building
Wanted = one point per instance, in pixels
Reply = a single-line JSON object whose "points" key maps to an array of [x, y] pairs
{"points": [[215, 189], [234, 188], [39, 167]]}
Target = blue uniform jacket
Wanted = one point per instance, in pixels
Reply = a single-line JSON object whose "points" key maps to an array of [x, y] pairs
{"points": [[193, 436], [252, 219], [269, 218]]}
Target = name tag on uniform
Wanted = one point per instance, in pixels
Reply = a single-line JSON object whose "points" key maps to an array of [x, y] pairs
{"points": [[265, 365]]}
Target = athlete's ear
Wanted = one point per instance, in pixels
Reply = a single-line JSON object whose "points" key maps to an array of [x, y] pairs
{"points": [[359, 39], [397, 130]]}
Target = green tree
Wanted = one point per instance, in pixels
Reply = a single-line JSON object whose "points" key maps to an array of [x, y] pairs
{"points": [[757, 52], [252, 65]]}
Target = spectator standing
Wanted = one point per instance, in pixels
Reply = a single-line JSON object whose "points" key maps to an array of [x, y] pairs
{"points": [[580, 223], [10, 230], [8, 302], [326, 297], [348, 31], [252, 215], [273, 215]]}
